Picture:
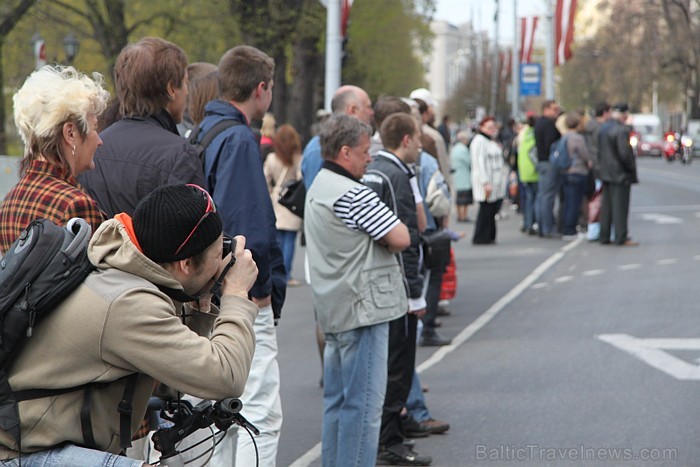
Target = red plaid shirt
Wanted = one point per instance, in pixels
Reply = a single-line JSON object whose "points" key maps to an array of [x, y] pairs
{"points": [[47, 192]]}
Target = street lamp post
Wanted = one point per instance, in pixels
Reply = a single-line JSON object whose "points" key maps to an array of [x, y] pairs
{"points": [[71, 45]]}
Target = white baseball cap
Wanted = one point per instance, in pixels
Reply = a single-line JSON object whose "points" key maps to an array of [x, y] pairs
{"points": [[424, 95]]}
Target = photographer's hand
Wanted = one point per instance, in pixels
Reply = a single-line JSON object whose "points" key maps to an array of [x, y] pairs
{"points": [[242, 275]]}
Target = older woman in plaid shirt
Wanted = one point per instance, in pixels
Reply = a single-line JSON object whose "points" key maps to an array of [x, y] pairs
{"points": [[56, 113]]}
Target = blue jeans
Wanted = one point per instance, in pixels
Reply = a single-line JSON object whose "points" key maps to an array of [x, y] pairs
{"points": [[354, 385], [287, 239], [547, 188], [72, 456], [574, 185], [529, 206], [416, 402]]}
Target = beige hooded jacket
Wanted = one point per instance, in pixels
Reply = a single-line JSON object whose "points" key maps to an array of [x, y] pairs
{"points": [[117, 323]]}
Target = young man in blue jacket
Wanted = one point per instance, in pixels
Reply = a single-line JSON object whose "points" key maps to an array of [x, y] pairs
{"points": [[234, 176]]}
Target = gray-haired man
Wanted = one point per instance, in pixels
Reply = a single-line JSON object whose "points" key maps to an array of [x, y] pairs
{"points": [[351, 239]]}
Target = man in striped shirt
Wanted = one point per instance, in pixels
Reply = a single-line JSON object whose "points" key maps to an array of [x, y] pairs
{"points": [[357, 288]]}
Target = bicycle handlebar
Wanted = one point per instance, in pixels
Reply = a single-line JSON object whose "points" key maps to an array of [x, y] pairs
{"points": [[187, 419]]}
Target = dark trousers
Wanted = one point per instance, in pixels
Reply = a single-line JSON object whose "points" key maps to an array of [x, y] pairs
{"points": [[485, 228], [573, 194], [432, 298], [614, 210], [401, 364]]}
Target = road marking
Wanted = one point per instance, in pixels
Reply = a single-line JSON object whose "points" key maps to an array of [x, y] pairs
{"points": [[652, 352], [315, 452], [666, 262], [308, 457], [661, 218], [670, 208], [539, 285], [594, 272], [563, 279], [629, 267]]}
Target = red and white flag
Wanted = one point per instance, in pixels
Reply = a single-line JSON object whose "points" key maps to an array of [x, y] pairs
{"points": [[345, 17], [564, 30], [527, 38]]}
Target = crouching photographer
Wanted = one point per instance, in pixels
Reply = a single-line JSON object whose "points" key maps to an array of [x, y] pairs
{"points": [[83, 380]]}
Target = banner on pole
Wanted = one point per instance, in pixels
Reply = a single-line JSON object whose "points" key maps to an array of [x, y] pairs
{"points": [[564, 30], [528, 26]]}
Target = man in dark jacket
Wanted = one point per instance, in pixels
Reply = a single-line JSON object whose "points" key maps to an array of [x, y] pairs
{"points": [[234, 176], [546, 133], [618, 171], [602, 115], [144, 150], [392, 176]]}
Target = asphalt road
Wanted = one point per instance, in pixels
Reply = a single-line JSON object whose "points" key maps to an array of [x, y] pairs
{"points": [[563, 353]]}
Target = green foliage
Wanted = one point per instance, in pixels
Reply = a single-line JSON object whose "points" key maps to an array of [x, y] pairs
{"points": [[382, 47], [385, 37]]}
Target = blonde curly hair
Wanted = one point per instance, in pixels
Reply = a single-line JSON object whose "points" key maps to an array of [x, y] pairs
{"points": [[50, 97]]}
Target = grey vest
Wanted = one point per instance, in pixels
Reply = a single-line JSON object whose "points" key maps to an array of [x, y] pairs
{"points": [[355, 281]]}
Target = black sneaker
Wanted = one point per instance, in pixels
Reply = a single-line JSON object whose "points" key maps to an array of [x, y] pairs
{"points": [[433, 339], [412, 428], [400, 454]]}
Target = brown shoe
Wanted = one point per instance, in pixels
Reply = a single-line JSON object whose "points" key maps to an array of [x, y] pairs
{"points": [[436, 426]]}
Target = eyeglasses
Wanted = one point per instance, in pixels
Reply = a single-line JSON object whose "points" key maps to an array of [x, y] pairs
{"points": [[210, 208]]}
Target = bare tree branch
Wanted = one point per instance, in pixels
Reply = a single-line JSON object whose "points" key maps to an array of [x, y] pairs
{"points": [[15, 14], [71, 8]]}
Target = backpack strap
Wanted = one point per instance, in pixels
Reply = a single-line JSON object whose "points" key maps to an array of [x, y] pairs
{"points": [[209, 136], [125, 407], [213, 132], [85, 419]]}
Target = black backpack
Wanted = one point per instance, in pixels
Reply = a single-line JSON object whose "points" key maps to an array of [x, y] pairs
{"points": [[43, 266]]}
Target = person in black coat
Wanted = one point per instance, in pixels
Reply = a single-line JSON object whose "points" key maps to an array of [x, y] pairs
{"points": [[617, 171]]}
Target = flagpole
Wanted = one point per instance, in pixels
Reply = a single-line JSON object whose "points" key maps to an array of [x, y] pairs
{"points": [[549, 53], [495, 72], [515, 67], [333, 51]]}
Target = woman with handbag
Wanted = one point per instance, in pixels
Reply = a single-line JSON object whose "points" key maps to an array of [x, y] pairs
{"points": [[284, 166], [488, 180]]}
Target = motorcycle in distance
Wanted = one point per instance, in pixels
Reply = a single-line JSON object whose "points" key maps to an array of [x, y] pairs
{"points": [[678, 147]]}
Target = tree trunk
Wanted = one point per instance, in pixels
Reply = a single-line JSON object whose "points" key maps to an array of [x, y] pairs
{"points": [[3, 135], [307, 88], [280, 89], [7, 23]]}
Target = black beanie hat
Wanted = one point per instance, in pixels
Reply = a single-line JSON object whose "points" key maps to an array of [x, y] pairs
{"points": [[165, 217]]}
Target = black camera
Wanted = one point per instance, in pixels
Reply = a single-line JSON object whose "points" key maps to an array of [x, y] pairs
{"points": [[229, 246]]}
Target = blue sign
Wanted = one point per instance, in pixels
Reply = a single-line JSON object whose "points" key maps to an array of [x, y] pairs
{"points": [[530, 79]]}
